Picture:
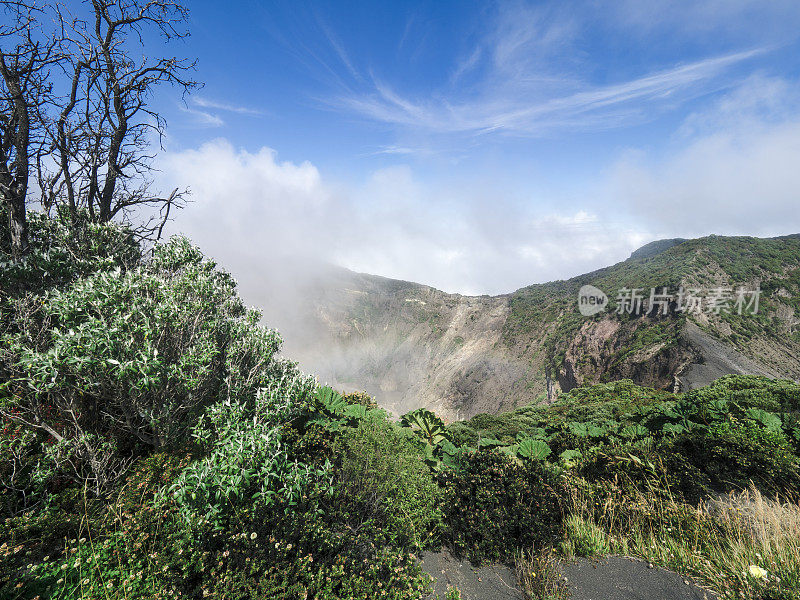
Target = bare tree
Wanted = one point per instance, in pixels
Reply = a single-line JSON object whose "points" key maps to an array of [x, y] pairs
{"points": [[25, 60], [118, 158], [100, 132]]}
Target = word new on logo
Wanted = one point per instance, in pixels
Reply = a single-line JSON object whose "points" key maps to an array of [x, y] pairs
{"points": [[591, 300]]}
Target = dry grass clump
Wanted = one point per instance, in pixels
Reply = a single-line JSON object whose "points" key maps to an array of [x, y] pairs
{"points": [[539, 575], [761, 543], [741, 544], [757, 518]]}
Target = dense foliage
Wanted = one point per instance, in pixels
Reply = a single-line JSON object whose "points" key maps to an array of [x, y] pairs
{"points": [[119, 361], [155, 445], [495, 506], [721, 437]]}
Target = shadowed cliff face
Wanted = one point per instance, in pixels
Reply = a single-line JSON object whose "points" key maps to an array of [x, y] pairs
{"points": [[410, 345]]}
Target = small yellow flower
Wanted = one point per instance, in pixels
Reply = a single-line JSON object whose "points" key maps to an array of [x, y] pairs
{"points": [[757, 572], [253, 535]]}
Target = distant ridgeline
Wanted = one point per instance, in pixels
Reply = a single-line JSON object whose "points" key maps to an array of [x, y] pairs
{"points": [[411, 345]]}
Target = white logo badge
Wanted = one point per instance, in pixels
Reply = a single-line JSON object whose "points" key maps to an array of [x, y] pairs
{"points": [[591, 300]]}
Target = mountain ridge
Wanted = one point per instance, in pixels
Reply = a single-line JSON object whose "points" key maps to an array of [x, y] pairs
{"points": [[411, 345]]}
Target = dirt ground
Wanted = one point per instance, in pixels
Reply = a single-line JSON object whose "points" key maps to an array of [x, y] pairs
{"points": [[488, 582], [611, 578]]}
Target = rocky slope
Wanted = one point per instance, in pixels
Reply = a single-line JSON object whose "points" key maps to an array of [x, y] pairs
{"points": [[411, 345]]}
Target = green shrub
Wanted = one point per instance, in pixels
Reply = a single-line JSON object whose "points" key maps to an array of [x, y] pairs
{"points": [[463, 433], [733, 454], [494, 505], [61, 253], [253, 572], [138, 547], [36, 537], [246, 465], [655, 468], [774, 395], [75, 546], [121, 361], [383, 485], [22, 469]]}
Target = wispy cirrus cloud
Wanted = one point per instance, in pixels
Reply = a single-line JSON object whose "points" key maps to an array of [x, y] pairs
{"points": [[201, 117], [690, 17], [339, 49], [205, 112], [525, 73], [401, 150], [203, 102], [527, 113], [466, 65]]}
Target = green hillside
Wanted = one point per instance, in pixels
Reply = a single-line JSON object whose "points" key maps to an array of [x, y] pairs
{"points": [[412, 345], [771, 264]]}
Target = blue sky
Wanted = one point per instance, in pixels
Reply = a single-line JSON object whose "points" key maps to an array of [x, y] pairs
{"points": [[479, 147]]}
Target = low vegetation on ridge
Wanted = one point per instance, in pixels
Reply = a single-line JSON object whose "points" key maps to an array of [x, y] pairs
{"points": [[155, 445]]}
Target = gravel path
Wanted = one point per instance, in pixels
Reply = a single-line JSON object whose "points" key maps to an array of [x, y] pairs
{"points": [[611, 578], [621, 578], [489, 582]]}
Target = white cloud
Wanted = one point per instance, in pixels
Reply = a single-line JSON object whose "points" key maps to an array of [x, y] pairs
{"points": [[743, 183], [732, 169], [246, 205], [252, 211], [224, 106]]}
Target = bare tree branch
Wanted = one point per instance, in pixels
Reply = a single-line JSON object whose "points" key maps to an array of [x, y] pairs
{"points": [[95, 136]]}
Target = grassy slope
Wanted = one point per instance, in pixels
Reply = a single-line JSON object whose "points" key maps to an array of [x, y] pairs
{"points": [[549, 310]]}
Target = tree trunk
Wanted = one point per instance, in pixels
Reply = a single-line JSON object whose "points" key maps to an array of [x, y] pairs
{"points": [[18, 224], [14, 177]]}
